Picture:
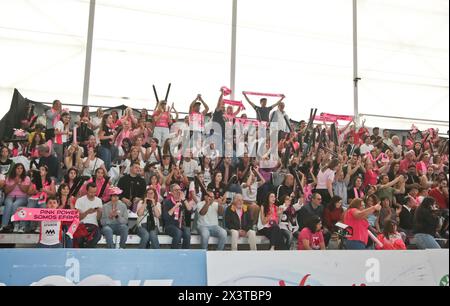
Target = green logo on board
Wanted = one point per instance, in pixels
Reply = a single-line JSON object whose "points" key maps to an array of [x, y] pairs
{"points": [[444, 281]]}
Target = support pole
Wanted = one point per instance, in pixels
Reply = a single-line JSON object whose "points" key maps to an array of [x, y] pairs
{"points": [[89, 43]]}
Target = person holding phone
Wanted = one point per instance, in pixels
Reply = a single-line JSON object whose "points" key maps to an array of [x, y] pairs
{"points": [[90, 209], [149, 212]]}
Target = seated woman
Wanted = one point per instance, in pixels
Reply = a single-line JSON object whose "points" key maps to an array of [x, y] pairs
{"points": [[268, 224], [391, 238], [311, 237], [333, 213], [42, 188], [149, 212], [289, 224], [103, 185], [74, 157], [250, 191], [133, 158], [16, 189], [91, 163]]}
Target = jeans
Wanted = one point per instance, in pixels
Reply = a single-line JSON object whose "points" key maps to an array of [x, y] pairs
{"points": [[68, 242], [177, 234], [213, 231], [115, 229], [288, 238], [11, 206], [161, 134], [425, 241], [355, 245], [148, 237], [275, 236], [59, 151], [105, 154], [251, 235]]}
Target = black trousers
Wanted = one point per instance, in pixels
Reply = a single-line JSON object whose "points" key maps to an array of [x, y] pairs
{"points": [[275, 235]]}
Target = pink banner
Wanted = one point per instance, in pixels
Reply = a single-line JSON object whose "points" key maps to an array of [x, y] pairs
{"points": [[326, 119], [250, 93], [40, 215], [334, 118], [234, 103]]}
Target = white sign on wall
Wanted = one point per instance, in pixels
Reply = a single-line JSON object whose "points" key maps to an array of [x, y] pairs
{"points": [[329, 268]]}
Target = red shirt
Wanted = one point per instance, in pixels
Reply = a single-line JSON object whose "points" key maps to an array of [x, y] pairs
{"points": [[315, 239], [441, 199], [360, 226], [330, 218]]}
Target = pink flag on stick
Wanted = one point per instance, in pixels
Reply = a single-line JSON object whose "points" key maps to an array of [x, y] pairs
{"points": [[250, 93]]}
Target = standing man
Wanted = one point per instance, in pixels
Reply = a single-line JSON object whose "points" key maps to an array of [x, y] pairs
{"points": [[263, 112]]}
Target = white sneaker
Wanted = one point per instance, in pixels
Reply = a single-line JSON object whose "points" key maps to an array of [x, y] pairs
{"points": [[16, 228], [37, 230], [21, 230]]}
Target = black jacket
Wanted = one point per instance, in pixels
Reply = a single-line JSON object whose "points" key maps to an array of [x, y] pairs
{"points": [[233, 222], [133, 187], [406, 219], [425, 223]]}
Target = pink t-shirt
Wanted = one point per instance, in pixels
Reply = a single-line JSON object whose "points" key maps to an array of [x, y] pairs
{"points": [[163, 121], [422, 167], [16, 192], [315, 239], [370, 178], [360, 226]]}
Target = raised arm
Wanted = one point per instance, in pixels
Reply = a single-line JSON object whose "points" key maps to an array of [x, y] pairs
{"points": [[177, 115], [220, 101], [206, 111], [248, 100], [191, 107], [279, 102]]}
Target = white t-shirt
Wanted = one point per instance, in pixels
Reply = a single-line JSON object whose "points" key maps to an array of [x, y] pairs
{"points": [[153, 157], [51, 233], [60, 127], [83, 204], [364, 149], [199, 194], [250, 196], [212, 216], [93, 166], [143, 219], [324, 177], [190, 168]]}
